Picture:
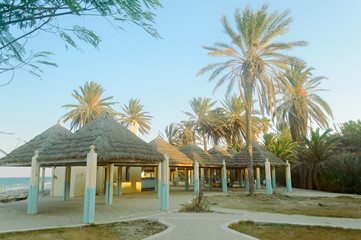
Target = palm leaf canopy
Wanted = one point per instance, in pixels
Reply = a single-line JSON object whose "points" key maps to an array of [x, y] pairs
{"points": [[176, 157], [22, 155], [113, 144], [259, 157], [196, 153]]}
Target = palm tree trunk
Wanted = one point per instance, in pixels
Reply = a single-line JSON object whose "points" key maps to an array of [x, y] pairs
{"points": [[205, 142], [249, 98], [310, 177]]}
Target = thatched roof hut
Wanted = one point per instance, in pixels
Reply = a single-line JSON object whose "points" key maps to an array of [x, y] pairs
{"points": [[113, 144], [176, 157], [219, 155], [22, 155], [259, 157], [232, 152], [196, 153]]}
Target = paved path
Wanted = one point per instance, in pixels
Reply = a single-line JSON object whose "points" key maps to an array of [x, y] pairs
{"points": [[53, 212]]}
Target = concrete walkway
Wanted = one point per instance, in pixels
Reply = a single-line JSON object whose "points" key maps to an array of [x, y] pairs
{"points": [[53, 212]]}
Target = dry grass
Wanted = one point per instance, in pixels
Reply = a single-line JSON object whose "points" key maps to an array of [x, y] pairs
{"points": [[198, 204], [134, 230], [344, 207], [269, 231]]}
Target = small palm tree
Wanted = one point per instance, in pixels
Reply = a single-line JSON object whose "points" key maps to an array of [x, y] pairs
{"points": [[301, 104], [90, 105], [253, 62], [133, 115], [172, 134]]}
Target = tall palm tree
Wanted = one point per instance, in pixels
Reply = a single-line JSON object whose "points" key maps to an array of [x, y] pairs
{"points": [[201, 116], [235, 109], [300, 104], [90, 105], [254, 59], [186, 133], [133, 113]]}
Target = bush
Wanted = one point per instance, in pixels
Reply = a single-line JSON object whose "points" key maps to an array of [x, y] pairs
{"points": [[198, 204], [342, 173]]}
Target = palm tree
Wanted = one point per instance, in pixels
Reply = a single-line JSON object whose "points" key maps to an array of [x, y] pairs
{"points": [[317, 149], [90, 105], [254, 59], [300, 104], [135, 116], [172, 134], [234, 109], [202, 117], [186, 133]]}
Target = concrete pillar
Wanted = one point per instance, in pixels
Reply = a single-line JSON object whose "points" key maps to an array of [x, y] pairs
{"points": [[202, 177], [196, 178], [164, 204], [33, 197], [224, 177], [109, 185], [176, 177], [159, 179], [274, 177], [66, 192], [210, 178], [246, 180], [288, 177], [268, 177], [52, 181], [240, 177], [258, 178], [119, 181], [90, 186], [43, 179], [186, 179], [192, 178]]}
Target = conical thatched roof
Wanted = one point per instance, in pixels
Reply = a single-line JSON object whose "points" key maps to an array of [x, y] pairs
{"points": [[196, 153], [219, 155], [22, 155], [259, 157], [113, 144], [176, 157], [232, 152]]}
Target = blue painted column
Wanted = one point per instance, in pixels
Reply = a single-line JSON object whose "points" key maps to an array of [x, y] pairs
{"points": [[176, 177], [33, 197], [119, 181], [164, 203], [268, 177], [66, 192], [210, 178], [288, 178], [90, 186], [202, 177], [186, 179], [274, 177], [224, 177], [196, 178], [191, 177], [159, 180], [109, 185], [258, 178], [246, 180], [240, 177], [155, 179]]}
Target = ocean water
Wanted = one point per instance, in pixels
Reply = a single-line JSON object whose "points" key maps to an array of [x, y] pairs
{"points": [[10, 184]]}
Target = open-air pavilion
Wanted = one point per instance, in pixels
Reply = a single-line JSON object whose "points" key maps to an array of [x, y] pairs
{"points": [[102, 142], [262, 158]]}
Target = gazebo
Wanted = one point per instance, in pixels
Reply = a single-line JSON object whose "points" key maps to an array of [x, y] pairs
{"points": [[177, 159], [262, 158]]}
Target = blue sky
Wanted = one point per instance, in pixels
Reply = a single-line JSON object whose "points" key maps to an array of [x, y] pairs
{"points": [[162, 72]]}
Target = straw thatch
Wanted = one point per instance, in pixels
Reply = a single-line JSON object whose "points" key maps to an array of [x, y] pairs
{"points": [[196, 153], [113, 144], [176, 157], [22, 155], [232, 152], [259, 157], [219, 155]]}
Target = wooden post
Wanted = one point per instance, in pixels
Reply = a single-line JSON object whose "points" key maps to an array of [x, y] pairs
{"points": [[224, 177], [210, 178], [288, 177], [186, 183], [90, 186], [66, 192], [196, 178], [165, 183], [268, 177], [33, 197], [109, 185], [274, 177], [159, 180], [258, 178]]}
